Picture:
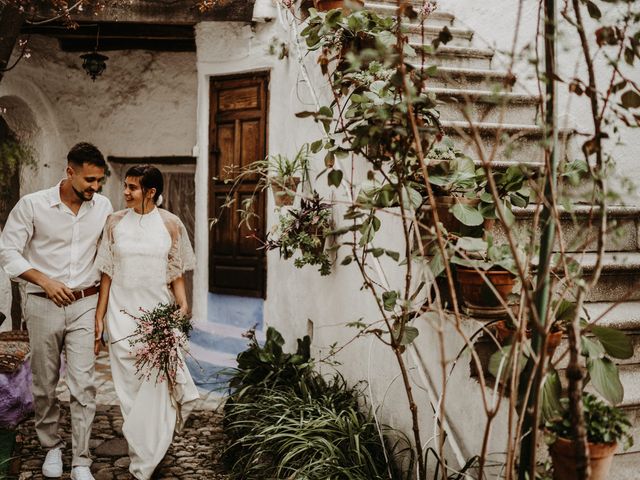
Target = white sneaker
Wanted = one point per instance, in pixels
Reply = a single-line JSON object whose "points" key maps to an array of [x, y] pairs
{"points": [[52, 466], [81, 473]]}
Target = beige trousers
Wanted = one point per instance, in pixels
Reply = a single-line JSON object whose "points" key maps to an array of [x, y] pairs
{"points": [[52, 330]]}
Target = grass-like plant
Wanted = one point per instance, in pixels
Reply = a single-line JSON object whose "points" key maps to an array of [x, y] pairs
{"points": [[284, 420]]}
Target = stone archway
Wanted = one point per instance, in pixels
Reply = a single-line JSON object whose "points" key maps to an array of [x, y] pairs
{"points": [[18, 129]]}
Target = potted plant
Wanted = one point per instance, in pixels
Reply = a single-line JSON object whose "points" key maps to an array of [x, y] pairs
{"points": [[563, 312], [456, 184], [304, 231], [480, 263], [462, 194], [283, 174], [607, 427], [326, 5]]}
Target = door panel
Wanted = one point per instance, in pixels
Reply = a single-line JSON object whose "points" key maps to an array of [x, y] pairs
{"points": [[238, 133]]}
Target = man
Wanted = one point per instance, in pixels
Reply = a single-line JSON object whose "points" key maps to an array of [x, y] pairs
{"points": [[50, 241]]}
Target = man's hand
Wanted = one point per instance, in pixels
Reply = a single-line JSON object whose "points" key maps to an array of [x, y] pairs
{"points": [[58, 292], [98, 338]]}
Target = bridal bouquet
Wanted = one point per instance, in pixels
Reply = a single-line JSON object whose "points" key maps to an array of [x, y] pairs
{"points": [[157, 341]]}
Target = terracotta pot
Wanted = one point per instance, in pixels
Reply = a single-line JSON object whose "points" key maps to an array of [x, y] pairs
{"points": [[326, 5], [448, 220], [564, 463], [280, 195], [505, 334], [476, 292]]}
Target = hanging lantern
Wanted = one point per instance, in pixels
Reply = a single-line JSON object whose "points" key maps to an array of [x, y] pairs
{"points": [[94, 64]]}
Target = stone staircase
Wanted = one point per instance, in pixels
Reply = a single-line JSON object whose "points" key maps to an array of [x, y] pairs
{"points": [[469, 86]]}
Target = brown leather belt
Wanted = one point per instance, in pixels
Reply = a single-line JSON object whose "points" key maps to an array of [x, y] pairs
{"points": [[78, 294]]}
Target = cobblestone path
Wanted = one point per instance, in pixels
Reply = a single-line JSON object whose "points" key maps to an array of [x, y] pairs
{"points": [[194, 455]]}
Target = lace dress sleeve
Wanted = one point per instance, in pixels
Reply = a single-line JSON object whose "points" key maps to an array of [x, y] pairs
{"points": [[104, 257], [181, 256]]}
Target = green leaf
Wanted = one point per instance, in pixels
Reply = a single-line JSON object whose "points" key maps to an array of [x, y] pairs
{"points": [[389, 300], [551, 392], [471, 244], [467, 215], [414, 198], [616, 343], [630, 99], [502, 360], [606, 379], [565, 311], [591, 349], [436, 264], [274, 336], [334, 178], [593, 9], [392, 254], [409, 335], [316, 146]]}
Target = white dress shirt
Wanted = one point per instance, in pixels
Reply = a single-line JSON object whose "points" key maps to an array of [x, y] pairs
{"points": [[43, 233]]}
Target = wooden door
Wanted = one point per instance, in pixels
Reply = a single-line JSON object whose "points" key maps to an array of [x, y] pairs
{"points": [[237, 137]]}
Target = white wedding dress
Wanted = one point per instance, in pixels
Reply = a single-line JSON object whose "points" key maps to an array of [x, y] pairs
{"points": [[139, 254]]}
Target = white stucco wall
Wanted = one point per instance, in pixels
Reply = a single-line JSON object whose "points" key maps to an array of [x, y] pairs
{"points": [[295, 296], [144, 104]]}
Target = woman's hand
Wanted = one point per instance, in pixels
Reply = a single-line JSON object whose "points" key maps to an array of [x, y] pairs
{"points": [[184, 310], [98, 338]]}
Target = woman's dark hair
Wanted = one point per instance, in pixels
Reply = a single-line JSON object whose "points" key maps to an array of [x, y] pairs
{"points": [[150, 177], [84, 152]]}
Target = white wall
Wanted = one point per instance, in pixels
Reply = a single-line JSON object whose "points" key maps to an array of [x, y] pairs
{"points": [[144, 104], [295, 296]]}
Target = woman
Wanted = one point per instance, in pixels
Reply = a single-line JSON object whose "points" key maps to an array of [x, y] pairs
{"points": [[143, 256]]}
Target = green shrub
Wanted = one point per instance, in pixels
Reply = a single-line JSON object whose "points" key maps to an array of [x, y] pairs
{"points": [[283, 420]]}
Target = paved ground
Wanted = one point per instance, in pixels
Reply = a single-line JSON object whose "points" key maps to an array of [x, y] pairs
{"points": [[194, 455]]}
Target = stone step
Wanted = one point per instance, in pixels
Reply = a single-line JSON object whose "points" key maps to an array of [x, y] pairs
{"points": [[389, 9], [454, 56], [486, 106], [580, 227], [425, 33], [510, 141], [624, 315], [470, 79], [634, 361], [625, 466], [620, 277]]}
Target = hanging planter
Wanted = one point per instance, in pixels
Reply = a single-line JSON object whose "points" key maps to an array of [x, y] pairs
{"points": [[326, 5], [284, 190]]}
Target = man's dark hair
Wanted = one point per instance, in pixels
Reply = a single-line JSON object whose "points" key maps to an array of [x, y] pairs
{"points": [[84, 152]]}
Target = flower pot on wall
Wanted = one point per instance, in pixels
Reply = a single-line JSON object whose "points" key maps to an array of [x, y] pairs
{"points": [[477, 293], [564, 462], [284, 196], [326, 5]]}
